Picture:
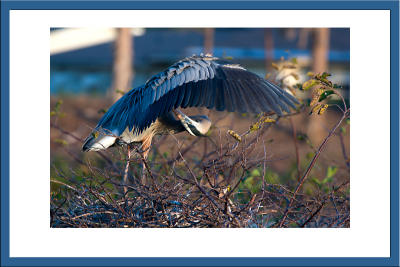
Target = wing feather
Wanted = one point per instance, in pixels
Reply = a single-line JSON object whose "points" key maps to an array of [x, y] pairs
{"points": [[227, 96], [198, 81], [181, 96], [185, 101], [244, 105], [250, 97], [234, 97], [219, 97], [196, 94], [283, 95], [258, 99]]}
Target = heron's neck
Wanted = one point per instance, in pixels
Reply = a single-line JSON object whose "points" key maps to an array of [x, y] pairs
{"points": [[170, 124]]}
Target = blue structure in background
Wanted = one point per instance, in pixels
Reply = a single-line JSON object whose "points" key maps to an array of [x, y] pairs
{"points": [[88, 70]]}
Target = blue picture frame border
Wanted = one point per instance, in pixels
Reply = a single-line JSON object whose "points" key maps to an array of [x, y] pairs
{"points": [[393, 6]]}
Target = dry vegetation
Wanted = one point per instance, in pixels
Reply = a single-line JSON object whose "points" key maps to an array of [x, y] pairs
{"points": [[251, 171]]}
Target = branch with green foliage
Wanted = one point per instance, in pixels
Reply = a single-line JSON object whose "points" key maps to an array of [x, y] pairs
{"points": [[226, 179]]}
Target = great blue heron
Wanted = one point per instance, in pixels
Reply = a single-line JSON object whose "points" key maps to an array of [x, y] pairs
{"points": [[197, 81]]}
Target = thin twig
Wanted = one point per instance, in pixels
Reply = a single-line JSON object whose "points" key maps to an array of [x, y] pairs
{"points": [[296, 147], [310, 166]]}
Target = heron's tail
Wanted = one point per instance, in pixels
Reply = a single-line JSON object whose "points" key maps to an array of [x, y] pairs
{"points": [[98, 141]]}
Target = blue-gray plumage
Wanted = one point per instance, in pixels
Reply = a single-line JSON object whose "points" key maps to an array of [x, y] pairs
{"points": [[197, 81]]}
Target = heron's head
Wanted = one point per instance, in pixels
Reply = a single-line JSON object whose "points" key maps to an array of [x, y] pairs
{"points": [[199, 125], [195, 125]]}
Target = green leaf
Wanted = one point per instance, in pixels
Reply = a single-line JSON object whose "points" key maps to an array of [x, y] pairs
{"points": [[322, 109], [301, 137], [57, 106], [309, 155], [310, 74], [235, 135], [325, 74], [325, 94], [120, 91], [309, 191], [249, 182], [308, 84], [61, 141], [294, 60], [255, 172], [316, 181], [326, 81], [327, 180], [315, 109], [331, 171], [271, 177], [255, 126]]}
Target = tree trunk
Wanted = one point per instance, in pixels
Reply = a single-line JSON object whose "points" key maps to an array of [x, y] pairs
{"points": [[303, 38], [123, 61], [268, 48], [320, 50], [208, 40]]}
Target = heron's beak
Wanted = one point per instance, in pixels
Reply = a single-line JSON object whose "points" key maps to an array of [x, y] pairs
{"points": [[185, 120]]}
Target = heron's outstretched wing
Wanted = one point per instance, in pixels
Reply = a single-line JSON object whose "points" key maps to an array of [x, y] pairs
{"points": [[198, 81]]}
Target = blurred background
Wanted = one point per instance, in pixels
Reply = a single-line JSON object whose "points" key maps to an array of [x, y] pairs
{"points": [[83, 60], [92, 67]]}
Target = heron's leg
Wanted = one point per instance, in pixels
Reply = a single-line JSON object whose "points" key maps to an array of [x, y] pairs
{"points": [[144, 151], [125, 179], [144, 176]]}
